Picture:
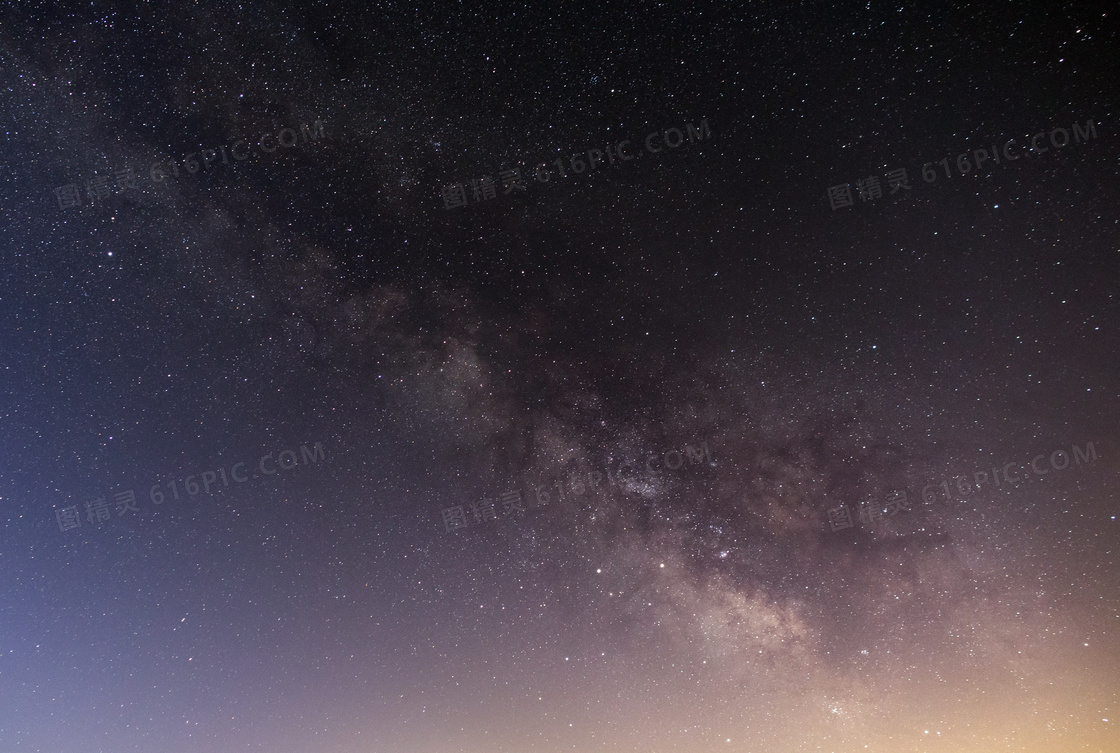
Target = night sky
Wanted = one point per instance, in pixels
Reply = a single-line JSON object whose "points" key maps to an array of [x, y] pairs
{"points": [[654, 377]]}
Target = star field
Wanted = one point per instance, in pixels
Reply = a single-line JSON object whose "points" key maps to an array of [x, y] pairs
{"points": [[613, 377]]}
